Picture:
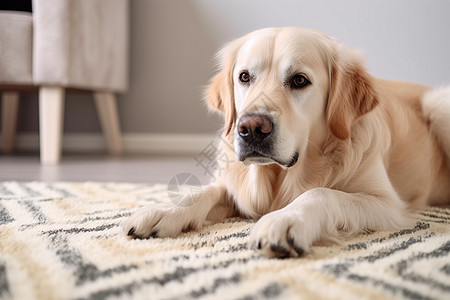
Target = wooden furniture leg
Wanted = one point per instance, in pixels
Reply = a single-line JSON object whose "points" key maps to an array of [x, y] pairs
{"points": [[51, 110], [109, 120], [10, 105]]}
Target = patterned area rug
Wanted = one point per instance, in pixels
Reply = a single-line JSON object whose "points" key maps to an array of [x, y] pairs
{"points": [[62, 241]]}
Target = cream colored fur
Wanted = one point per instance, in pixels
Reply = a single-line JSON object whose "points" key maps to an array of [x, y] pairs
{"points": [[368, 149]]}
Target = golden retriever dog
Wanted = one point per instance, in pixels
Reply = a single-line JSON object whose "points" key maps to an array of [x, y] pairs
{"points": [[321, 147]]}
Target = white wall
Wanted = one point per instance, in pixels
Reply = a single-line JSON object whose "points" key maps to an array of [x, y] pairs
{"points": [[403, 39], [173, 43]]}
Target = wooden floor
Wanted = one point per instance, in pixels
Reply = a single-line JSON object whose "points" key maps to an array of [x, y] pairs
{"points": [[102, 168]]}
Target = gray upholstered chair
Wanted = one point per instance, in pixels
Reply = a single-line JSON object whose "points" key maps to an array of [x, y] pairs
{"points": [[64, 44]]}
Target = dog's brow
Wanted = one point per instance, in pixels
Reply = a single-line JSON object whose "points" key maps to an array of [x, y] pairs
{"points": [[287, 74], [288, 70]]}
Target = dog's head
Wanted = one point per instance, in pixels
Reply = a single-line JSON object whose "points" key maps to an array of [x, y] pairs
{"points": [[282, 88]]}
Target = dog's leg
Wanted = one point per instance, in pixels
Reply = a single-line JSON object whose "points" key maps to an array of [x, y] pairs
{"points": [[320, 212], [170, 219], [436, 108]]}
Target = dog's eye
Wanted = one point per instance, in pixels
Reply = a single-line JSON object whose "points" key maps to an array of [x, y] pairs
{"points": [[244, 77], [299, 81]]}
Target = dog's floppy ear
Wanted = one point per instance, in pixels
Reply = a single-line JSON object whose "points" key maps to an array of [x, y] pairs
{"points": [[220, 92], [352, 93]]}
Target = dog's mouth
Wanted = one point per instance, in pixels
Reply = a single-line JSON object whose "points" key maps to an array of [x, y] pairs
{"points": [[262, 159]]}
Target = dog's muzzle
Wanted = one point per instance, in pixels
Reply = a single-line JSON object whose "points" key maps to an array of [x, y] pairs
{"points": [[255, 138], [256, 141]]}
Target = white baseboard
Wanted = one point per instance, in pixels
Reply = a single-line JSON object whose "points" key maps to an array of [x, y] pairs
{"points": [[134, 143], [166, 143]]}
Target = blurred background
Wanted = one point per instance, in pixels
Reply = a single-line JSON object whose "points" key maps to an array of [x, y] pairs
{"points": [[172, 44]]}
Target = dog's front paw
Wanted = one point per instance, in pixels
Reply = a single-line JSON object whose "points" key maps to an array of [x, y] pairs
{"points": [[159, 220], [280, 234]]}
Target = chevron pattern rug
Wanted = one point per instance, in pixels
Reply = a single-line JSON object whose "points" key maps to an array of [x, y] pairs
{"points": [[63, 241]]}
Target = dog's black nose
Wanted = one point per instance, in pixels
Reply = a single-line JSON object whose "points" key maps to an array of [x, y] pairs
{"points": [[254, 128]]}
